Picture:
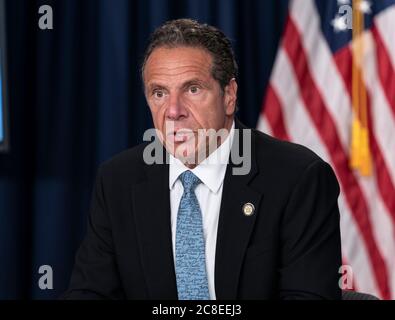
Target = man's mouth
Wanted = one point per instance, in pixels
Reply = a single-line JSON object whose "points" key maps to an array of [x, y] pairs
{"points": [[181, 135]]}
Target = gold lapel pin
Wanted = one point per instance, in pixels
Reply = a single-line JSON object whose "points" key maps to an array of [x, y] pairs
{"points": [[248, 209]]}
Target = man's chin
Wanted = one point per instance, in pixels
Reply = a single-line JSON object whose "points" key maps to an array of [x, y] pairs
{"points": [[186, 154]]}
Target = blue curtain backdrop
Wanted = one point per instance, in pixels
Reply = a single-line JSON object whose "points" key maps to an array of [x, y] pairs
{"points": [[76, 100]]}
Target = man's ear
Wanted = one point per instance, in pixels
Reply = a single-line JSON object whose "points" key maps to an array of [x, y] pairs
{"points": [[230, 96]]}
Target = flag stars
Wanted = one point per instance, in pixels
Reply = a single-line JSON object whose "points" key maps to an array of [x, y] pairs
{"points": [[365, 7], [339, 23], [343, 19]]}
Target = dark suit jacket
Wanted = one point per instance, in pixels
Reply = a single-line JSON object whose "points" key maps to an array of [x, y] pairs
{"points": [[288, 249]]}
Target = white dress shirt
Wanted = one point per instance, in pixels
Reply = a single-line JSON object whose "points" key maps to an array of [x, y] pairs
{"points": [[211, 172]]}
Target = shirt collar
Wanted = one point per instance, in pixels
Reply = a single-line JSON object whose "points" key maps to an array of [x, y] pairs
{"points": [[211, 171]]}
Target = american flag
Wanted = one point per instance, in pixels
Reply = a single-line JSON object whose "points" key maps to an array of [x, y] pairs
{"points": [[332, 89]]}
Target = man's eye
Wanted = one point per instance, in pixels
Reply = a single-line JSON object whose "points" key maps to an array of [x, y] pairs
{"points": [[194, 89], [158, 94]]}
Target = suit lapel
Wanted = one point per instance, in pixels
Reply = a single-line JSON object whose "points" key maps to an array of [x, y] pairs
{"points": [[234, 227], [151, 207]]}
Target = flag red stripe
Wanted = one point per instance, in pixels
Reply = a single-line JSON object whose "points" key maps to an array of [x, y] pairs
{"points": [[274, 114], [323, 121], [343, 60], [385, 69]]}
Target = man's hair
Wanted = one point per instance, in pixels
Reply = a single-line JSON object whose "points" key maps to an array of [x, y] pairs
{"points": [[190, 33]]}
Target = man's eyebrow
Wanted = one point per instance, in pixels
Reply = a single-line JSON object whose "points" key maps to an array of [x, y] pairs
{"points": [[155, 85], [194, 82]]}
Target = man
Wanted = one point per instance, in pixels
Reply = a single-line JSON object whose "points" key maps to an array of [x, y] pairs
{"points": [[195, 228]]}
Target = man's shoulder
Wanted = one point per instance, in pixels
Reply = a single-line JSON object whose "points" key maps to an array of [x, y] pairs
{"points": [[272, 152], [128, 163], [275, 154], [284, 164]]}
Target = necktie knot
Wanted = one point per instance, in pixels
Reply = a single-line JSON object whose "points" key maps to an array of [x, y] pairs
{"points": [[189, 181]]}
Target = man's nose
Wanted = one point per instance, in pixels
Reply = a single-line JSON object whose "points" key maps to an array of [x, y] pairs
{"points": [[175, 109]]}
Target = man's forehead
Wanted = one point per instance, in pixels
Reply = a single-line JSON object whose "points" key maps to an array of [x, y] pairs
{"points": [[178, 75], [178, 59]]}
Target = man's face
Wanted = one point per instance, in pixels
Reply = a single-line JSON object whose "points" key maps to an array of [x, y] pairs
{"points": [[184, 97]]}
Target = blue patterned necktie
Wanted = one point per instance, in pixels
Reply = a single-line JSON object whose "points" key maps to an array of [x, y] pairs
{"points": [[190, 247]]}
